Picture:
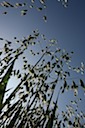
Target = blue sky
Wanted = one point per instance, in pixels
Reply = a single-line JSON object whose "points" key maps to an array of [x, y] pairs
{"points": [[67, 25]]}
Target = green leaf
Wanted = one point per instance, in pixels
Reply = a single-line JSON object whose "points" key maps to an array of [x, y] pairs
{"points": [[75, 88], [82, 84], [4, 82], [4, 13], [64, 86], [1, 38], [16, 115], [39, 9], [45, 18], [10, 109], [52, 116], [0, 53], [32, 1], [42, 1], [24, 12]]}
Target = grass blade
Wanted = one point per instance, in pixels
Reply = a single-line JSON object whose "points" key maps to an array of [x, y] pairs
{"points": [[4, 82]]}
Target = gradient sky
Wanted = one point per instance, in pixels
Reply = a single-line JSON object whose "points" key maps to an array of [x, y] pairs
{"points": [[67, 25]]}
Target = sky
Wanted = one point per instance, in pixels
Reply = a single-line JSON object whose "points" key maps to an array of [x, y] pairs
{"points": [[67, 25]]}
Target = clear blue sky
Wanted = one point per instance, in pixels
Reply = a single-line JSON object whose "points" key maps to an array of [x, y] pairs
{"points": [[67, 25]]}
